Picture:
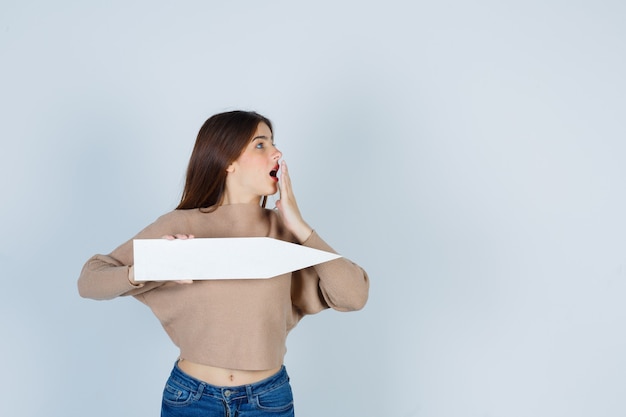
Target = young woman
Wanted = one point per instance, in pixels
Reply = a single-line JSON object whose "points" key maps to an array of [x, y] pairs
{"points": [[231, 333]]}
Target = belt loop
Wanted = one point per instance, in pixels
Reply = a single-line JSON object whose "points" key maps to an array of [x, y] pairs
{"points": [[249, 393], [200, 389]]}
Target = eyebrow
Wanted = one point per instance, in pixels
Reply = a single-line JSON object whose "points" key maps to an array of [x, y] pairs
{"points": [[262, 137]]}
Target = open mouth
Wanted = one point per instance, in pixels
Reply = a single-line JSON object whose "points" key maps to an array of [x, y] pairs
{"points": [[274, 172]]}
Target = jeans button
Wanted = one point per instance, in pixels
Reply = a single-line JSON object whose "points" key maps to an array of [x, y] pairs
{"points": [[227, 393]]}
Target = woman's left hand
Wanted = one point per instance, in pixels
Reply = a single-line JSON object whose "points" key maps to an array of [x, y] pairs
{"points": [[288, 207]]}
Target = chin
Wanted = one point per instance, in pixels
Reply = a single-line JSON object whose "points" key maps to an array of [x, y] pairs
{"points": [[273, 190]]}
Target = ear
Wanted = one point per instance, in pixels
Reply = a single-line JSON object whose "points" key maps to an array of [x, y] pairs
{"points": [[231, 168]]}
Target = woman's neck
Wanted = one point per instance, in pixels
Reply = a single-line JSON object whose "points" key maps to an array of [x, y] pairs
{"points": [[231, 199]]}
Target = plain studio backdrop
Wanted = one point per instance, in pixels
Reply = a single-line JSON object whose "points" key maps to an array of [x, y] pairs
{"points": [[469, 155]]}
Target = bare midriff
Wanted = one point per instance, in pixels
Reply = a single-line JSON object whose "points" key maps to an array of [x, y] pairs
{"points": [[224, 377]]}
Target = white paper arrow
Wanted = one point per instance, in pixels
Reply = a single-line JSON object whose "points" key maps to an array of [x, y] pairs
{"points": [[221, 258]]}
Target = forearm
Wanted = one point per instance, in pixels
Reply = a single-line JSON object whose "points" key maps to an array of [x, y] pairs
{"points": [[104, 278], [344, 284]]}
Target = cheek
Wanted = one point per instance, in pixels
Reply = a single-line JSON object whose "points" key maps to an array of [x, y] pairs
{"points": [[253, 165], [257, 165], [252, 170]]}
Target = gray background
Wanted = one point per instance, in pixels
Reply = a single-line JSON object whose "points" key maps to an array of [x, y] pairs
{"points": [[470, 155]]}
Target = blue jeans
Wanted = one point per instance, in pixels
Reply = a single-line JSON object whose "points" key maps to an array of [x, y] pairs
{"points": [[185, 396]]}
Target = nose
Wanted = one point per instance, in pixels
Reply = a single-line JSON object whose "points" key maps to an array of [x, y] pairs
{"points": [[277, 154]]}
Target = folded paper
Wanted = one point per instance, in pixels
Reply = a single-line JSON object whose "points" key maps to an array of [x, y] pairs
{"points": [[221, 258]]}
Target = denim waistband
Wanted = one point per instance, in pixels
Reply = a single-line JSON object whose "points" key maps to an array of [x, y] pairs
{"points": [[226, 392]]}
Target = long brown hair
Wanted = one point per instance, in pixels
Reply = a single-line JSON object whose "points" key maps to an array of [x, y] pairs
{"points": [[221, 139]]}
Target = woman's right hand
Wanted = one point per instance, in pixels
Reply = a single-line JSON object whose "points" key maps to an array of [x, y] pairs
{"points": [[131, 270], [180, 236]]}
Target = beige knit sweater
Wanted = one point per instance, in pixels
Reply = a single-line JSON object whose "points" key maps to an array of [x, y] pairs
{"points": [[235, 324]]}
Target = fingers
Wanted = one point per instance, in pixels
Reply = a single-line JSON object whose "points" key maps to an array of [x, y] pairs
{"points": [[180, 236], [183, 236], [285, 189], [285, 181]]}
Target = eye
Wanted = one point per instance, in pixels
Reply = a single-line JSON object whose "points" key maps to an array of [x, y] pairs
{"points": [[259, 145]]}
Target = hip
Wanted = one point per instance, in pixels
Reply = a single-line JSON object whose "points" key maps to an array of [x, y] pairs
{"points": [[185, 395]]}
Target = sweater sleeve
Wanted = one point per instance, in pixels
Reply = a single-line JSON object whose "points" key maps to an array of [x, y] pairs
{"points": [[338, 284], [104, 277]]}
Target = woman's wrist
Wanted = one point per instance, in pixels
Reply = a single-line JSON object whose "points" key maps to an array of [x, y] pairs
{"points": [[302, 232], [131, 277]]}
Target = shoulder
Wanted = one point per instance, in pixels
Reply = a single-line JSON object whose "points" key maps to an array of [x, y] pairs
{"points": [[176, 216], [175, 221]]}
